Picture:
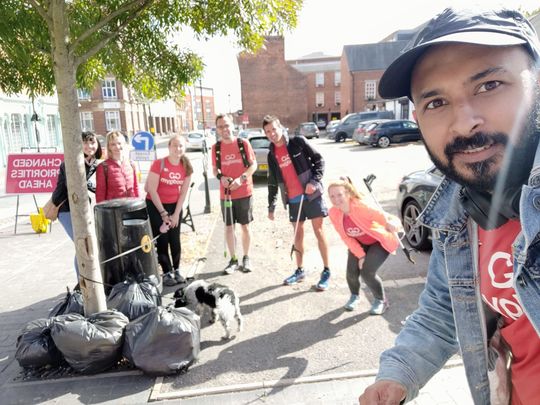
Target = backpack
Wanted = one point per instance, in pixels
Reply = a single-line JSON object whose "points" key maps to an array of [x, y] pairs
{"points": [[162, 166], [243, 153]]}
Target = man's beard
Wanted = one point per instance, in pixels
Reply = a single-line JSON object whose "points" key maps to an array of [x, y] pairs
{"points": [[481, 176]]}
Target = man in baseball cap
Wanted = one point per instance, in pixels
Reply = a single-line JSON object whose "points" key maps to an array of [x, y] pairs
{"points": [[473, 78]]}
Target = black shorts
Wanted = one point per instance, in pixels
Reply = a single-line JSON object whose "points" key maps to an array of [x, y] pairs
{"points": [[310, 209], [241, 211]]}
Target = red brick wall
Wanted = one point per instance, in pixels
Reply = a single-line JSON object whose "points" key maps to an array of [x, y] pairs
{"points": [[271, 86], [360, 102], [328, 89], [346, 87]]}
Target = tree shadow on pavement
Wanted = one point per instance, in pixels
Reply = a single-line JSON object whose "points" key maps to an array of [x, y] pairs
{"points": [[270, 351]]}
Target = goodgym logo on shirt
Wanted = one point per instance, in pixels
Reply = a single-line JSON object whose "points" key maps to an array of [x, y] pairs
{"points": [[354, 232], [230, 160], [174, 179], [285, 161]]}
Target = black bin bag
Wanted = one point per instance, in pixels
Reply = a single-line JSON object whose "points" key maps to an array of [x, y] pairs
{"points": [[164, 341], [134, 299], [35, 347], [72, 303], [93, 344]]}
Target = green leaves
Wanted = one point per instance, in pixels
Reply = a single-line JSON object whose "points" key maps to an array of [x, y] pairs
{"points": [[131, 39]]}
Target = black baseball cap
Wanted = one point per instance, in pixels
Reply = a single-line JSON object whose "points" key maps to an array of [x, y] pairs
{"points": [[493, 27]]}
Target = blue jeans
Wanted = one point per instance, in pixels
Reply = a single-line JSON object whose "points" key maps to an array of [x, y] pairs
{"points": [[65, 219]]}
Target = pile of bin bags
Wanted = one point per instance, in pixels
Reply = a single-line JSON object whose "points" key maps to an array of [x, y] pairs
{"points": [[157, 340]]}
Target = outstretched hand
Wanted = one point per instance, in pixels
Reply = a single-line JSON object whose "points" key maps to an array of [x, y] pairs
{"points": [[383, 392]]}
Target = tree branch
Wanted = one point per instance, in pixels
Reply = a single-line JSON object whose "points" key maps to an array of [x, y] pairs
{"points": [[108, 18], [41, 11], [96, 48]]}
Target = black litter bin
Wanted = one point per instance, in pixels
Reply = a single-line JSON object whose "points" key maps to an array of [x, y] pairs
{"points": [[123, 224]]}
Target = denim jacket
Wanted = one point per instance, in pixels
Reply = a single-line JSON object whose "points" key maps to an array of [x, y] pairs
{"points": [[451, 314]]}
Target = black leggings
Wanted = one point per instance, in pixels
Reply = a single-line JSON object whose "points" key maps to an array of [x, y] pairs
{"points": [[171, 238], [375, 257]]}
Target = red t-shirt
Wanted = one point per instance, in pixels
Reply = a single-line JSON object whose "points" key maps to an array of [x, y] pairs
{"points": [[171, 179], [232, 165], [496, 272], [292, 183], [354, 231]]}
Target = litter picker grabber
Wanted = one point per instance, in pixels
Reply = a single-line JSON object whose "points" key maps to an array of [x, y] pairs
{"points": [[367, 181], [227, 204], [293, 247]]}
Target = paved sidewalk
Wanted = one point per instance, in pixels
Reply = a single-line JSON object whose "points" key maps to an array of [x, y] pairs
{"points": [[33, 290], [36, 269]]}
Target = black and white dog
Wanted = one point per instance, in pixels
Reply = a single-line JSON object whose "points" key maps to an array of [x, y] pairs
{"points": [[221, 300]]}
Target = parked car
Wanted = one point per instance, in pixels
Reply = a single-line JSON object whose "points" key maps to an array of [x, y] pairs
{"points": [[414, 192], [249, 132], [197, 139], [349, 123], [331, 128], [359, 132], [307, 129], [261, 146], [321, 124], [394, 131]]}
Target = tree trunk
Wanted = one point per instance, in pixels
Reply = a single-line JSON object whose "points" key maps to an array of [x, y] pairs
{"points": [[81, 215]]}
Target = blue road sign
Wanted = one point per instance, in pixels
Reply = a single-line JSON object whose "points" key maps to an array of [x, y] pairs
{"points": [[143, 141]]}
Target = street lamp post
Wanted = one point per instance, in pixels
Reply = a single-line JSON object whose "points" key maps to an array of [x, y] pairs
{"points": [[207, 208]]}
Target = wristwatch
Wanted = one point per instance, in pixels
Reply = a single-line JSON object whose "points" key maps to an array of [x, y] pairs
{"points": [[243, 177]]}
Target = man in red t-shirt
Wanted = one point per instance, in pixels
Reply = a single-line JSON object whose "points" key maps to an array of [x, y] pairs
{"points": [[296, 169], [473, 76], [234, 164]]}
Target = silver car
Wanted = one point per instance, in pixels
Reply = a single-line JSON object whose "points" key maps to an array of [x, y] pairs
{"points": [[197, 139], [261, 146]]}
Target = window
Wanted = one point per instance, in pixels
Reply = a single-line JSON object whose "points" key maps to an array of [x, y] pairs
{"points": [[52, 130], [408, 124], [112, 120], [371, 89], [108, 89], [337, 79], [319, 99], [337, 97], [87, 121], [16, 138], [319, 79], [83, 94]]}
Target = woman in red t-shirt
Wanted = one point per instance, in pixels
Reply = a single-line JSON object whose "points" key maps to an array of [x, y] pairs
{"points": [[166, 186], [369, 233]]}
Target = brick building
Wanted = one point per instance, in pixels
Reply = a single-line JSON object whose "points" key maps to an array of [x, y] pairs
{"points": [[271, 86], [323, 79], [318, 87], [361, 69], [113, 106]]}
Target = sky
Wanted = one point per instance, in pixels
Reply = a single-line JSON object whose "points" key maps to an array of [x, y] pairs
{"points": [[326, 26]]}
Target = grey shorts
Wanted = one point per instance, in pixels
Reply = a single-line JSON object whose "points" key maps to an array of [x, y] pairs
{"points": [[241, 211], [310, 209]]}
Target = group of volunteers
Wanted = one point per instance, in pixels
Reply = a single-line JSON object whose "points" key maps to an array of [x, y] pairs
{"points": [[116, 177], [473, 77], [295, 171]]}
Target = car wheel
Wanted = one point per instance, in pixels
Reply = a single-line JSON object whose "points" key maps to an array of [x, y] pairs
{"points": [[416, 234], [383, 142]]}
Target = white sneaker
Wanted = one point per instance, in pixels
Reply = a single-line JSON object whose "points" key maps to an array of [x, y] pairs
{"points": [[378, 307]]}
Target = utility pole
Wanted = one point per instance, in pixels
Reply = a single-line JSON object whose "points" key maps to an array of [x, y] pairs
{"points": [[207, 208], [202, 104]]}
